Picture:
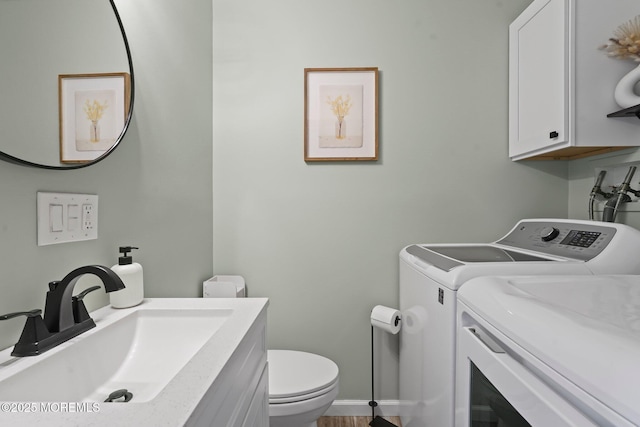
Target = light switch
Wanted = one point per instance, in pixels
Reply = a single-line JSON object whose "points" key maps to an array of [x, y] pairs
{"points": [[66, 217], [55, 218], [73, 217]]}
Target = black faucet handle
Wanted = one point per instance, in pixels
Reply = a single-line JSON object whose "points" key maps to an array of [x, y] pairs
{"points": [[84, 293], [80, 312], [32, 313]]}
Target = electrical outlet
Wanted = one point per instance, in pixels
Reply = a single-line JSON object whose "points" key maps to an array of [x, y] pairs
{"points": [[66, 217], [87, 217]]}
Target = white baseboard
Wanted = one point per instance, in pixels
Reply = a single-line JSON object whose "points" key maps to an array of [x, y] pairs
{"points": [[361, 408]]}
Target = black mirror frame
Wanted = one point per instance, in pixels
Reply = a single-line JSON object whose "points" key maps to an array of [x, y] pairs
{"points": [[11, 159]]}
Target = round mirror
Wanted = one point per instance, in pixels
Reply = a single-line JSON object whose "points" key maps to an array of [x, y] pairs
{"points": [[66, 82]]}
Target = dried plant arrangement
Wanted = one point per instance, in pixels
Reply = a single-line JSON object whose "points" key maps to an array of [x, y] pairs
{"points": [[340, 108], [94, 110], [626, 41]]}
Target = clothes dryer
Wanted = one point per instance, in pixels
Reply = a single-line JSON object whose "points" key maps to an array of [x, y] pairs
{"points": [[431, 274], [548, 351]]}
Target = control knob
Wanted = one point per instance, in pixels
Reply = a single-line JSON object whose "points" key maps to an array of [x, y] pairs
{"points": [[549, 233]]}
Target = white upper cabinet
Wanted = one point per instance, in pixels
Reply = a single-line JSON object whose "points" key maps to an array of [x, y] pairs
{"points": [[561, 86], [539, 79]]}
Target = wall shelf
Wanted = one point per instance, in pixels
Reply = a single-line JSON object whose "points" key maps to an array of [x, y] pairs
{"points": [[627, 112]]}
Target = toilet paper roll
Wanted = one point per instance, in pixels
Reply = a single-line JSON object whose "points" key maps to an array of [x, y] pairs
{"points": [[385, 318]]}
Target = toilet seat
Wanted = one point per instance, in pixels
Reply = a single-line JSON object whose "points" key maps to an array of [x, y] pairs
{"points": [[296, 376], [301, 397]]}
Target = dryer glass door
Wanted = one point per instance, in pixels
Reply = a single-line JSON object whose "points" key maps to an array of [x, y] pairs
{"points": [[489, 406]]}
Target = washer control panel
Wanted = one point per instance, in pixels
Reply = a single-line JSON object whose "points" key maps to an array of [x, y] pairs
{"points": [[579, 240], [582, 239]]}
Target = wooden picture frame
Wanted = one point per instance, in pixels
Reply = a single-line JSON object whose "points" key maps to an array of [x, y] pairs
{"points": [[340, 114], [93, 109]]}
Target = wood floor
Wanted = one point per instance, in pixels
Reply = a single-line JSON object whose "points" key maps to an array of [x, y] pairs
{"points": [[352, 421]]}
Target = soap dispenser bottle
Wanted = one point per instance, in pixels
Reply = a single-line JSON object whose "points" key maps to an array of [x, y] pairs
{"points": [[131, 274]]}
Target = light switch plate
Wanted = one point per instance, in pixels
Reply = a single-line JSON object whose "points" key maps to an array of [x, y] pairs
{"points": [[66, 217]]}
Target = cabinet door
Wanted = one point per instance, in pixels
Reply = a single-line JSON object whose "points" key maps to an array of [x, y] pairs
{"points": [[539, 72], [258, 412]]}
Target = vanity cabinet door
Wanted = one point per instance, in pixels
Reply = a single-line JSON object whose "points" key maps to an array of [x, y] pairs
{"points": [[239, 395], [258, 412], [539, 78]]}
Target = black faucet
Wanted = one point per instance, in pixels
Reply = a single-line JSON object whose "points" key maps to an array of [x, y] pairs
{"points": [[65, 315]]}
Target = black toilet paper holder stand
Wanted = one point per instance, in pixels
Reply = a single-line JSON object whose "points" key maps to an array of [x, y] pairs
{"points": [[377, 420]]}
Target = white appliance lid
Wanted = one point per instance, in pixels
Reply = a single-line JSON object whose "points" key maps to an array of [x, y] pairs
{"points": [[295, 373], [587, 328]]}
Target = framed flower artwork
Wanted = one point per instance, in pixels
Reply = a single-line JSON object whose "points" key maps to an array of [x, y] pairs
{"points": [[340, 114], [93, 110]]}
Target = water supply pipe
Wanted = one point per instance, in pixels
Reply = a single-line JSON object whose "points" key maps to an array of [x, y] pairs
{"points": [[613, 203], [597, 191]]}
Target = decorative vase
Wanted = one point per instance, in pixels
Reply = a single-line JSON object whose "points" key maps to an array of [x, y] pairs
{"points": [[341, 128], [94, 131], [625, 94]]}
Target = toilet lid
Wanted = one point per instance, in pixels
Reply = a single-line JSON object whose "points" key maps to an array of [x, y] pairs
{"points": [[296, 373]]}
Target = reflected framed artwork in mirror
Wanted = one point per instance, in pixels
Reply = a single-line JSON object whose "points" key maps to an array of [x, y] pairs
{"points": [[40, 40], [93, 109], [340, 114]]}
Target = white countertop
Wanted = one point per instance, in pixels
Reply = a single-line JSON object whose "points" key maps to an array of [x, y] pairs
{"points": [[175, 403]]}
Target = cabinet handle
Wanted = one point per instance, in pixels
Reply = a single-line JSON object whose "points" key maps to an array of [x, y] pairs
{"points": [[553, 134]]}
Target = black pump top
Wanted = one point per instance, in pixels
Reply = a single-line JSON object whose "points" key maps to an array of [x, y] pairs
{"points": [[124, 259]]}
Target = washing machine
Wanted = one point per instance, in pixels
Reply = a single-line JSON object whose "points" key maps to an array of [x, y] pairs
{"points": [[431, 274], [548, 351]]}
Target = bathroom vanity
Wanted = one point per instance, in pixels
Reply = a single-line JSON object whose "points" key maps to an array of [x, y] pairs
{"points": [[185, 362]]}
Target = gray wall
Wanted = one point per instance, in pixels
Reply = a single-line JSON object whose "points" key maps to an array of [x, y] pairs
{"points": [[155, 189], [322, 240]]}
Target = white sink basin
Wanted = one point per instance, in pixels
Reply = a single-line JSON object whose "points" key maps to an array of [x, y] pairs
{"points": [[158, 351], [139, 352], [160, 343]]}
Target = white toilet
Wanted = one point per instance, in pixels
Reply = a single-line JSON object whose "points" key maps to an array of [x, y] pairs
{"points": [[302, 386]]}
